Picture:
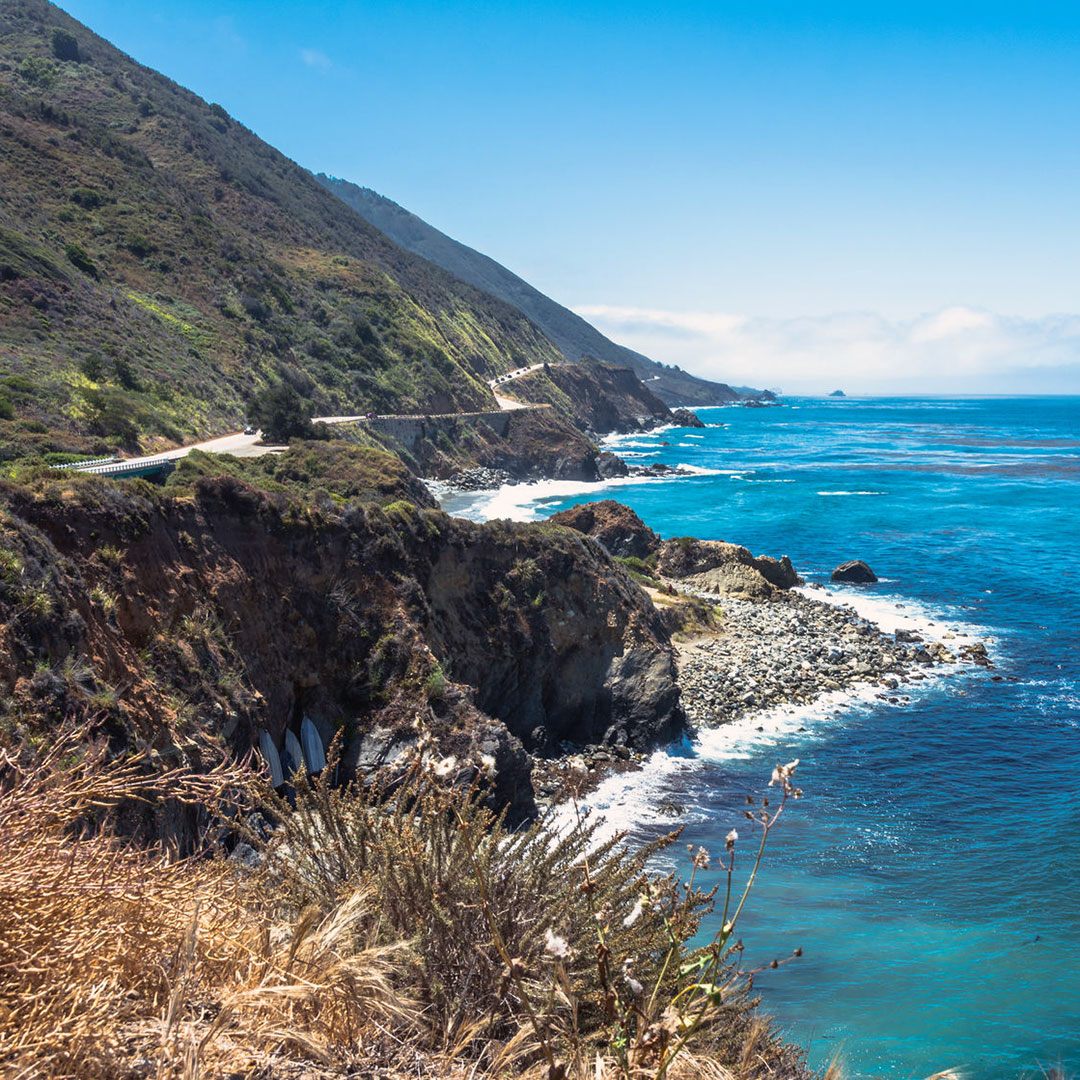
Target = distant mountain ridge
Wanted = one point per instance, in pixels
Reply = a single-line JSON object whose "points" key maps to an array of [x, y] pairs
{"points": [[575, 338]]}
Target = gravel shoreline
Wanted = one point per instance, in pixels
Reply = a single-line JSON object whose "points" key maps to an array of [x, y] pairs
{"points": [[792, 649]]}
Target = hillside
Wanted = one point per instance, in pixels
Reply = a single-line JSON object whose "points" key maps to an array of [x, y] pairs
{"points": [[159, 263], [573, 336]]}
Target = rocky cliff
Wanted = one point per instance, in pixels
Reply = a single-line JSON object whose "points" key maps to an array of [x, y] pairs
{"points": [[187, 622]]}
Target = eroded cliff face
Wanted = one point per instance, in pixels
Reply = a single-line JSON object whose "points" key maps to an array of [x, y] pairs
{"points": [[186, 624]]}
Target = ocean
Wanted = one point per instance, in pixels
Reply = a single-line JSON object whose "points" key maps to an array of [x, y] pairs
{"points": [[931, 873]]}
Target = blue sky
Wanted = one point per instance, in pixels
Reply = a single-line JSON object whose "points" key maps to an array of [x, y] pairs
{"points": [[790, 194]]}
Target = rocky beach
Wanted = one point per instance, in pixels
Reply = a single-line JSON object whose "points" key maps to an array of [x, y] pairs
{"points": [[792, 648]]}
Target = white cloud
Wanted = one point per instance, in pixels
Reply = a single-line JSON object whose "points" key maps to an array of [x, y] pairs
{"points": [[957, 349], [315, 59]]}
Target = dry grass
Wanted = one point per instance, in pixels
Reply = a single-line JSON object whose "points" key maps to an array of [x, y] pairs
{"points": [[116, 961], [401, 931]]}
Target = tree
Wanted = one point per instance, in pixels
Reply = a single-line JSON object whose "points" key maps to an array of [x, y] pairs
{"points": [[281, 413]]}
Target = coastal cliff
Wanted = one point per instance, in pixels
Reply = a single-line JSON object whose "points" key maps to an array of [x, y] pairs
{"points": [[167, 620]]}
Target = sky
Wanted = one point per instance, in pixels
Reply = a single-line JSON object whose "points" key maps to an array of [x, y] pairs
{"points": [[873, 196]]}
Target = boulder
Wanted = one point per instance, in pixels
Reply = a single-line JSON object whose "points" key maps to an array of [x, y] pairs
{"points": [[685, 418], [617, 527], [718, 567], [609, 465], [854, 571]]}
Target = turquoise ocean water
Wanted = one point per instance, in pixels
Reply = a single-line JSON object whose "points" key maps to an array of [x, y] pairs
{"points": [[931, 874]]}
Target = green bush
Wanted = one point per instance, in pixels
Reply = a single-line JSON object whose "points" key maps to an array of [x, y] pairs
{"points": [[87, 198], [139, 245], [281, 413], [38, 72], [81, 261], [92, 366], [64, 45]]}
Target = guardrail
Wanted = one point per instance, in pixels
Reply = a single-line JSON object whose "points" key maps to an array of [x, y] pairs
{"points": [[92, 463], [132, 467]]}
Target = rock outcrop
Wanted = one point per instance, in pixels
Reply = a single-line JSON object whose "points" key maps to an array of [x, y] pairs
{"points": [[253, 610], [686, 418], [617, 527], [717, 567], [854, 571]]}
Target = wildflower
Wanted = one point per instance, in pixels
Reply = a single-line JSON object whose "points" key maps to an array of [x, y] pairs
{"points": [[701, 859], [729, 840], [556, 945], [446, 766], [635, 913], [487, 763], [782, 775]]}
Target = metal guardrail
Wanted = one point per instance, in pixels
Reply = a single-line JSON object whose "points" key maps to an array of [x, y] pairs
{"points": [[132, 467], [82, 465]]}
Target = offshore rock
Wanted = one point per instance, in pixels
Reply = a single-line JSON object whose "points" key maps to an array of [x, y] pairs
{"points": [[686, 418], [609, 466], [854, 571]]}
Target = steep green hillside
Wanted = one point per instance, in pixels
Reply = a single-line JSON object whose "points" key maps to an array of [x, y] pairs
{"points": [[159, 263], [575, 338]]}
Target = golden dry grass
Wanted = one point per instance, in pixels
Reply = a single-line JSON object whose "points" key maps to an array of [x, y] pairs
{"points": [[400, 937], [116, 961]]}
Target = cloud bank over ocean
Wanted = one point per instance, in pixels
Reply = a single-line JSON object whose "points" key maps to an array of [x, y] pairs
{"points": [[954, 350]]}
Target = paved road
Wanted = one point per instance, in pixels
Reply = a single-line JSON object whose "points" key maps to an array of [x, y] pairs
{"points": [[506, 403], [241, 445]]}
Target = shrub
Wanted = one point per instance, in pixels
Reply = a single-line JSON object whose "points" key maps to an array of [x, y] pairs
{"points": [[92, 366], [125, 374], [139, 245], [143, 965], [542, 952], [38, 72], [87, 198], [64, 45], [81, 261]]}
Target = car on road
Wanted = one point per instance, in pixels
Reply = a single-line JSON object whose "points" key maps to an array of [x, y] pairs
{"points": [[249, 430]]}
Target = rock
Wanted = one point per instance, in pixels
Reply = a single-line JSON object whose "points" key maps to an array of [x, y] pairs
{"points": [[617, 527], [725, 569], [609, 465], [907, 636], [854, 571], [685, 418]]}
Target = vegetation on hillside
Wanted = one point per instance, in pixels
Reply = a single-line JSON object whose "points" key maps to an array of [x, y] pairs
{"points": [[159, 264]]}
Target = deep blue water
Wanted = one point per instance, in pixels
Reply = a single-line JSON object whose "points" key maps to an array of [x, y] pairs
{"points": [[931, 873]]}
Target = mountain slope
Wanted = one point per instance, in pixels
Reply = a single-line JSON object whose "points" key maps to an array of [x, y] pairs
{"points": [[159, 263], [574, 337]]}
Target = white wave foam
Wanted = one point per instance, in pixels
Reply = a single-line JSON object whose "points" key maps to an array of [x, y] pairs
{"points": [[891, 614], [853, 493], [752, 480], [626, 800], [527, 502]]}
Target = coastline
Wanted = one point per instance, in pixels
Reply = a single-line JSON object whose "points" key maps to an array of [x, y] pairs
{"points": [[775, 667]]}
